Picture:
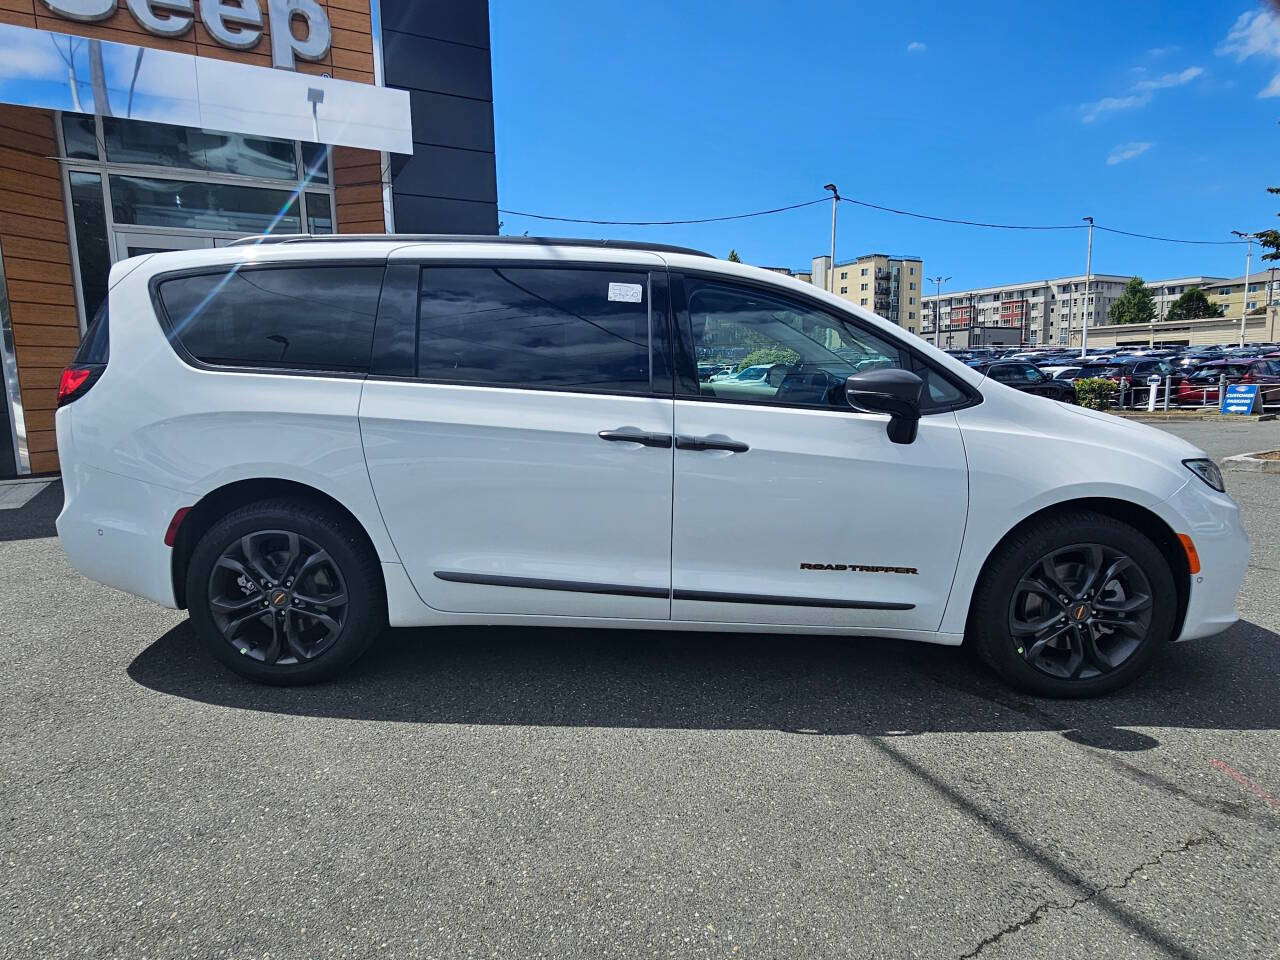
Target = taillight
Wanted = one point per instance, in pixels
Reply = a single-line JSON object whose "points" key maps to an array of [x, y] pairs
{"points": [[76, 381]]}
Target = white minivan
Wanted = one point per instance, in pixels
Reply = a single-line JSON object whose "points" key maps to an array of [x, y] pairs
{"points": [[302, 440]]}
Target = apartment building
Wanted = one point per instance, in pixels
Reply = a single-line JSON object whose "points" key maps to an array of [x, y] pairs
{"points": [[1262, 324], [1264, 291], [1036, 312], [1166, 292], [889, 285], [1052, 312]]}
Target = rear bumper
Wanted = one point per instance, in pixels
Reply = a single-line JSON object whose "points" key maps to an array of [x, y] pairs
{"points": [[1212, 520], [112, 529]]}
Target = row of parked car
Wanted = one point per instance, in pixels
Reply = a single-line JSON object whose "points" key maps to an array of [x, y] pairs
{"points": [[1194, 375]]}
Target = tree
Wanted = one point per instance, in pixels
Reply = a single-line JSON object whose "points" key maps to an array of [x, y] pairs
{"points": [[770, 355], [1136, 305], [733, 257], [1193, 305], [1270, 239]]}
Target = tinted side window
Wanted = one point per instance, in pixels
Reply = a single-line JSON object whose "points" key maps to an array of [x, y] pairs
{"points": [[1004, 373], [544, 327], [300, 318], [96, 345], [753, 346]]}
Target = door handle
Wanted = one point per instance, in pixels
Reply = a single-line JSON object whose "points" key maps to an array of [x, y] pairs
{"points": [[633, 436], [707, 443]]}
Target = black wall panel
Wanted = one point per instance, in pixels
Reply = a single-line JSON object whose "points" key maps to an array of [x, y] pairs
{"points": [[438, 50], [8, 466]]}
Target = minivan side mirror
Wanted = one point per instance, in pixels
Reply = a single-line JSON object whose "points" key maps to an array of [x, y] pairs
{"points": [[895, 392]]}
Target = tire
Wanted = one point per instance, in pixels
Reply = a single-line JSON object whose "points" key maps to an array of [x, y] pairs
{"points": [[1086, 652], [282, 631]]}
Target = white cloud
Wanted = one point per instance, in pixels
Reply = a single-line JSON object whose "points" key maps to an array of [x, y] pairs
{"points": [[1255, 34], [1162, 51], [1140, 93], [1092, 111], [24, 60], [1170, 79], [1127, 151], [915, 46]]}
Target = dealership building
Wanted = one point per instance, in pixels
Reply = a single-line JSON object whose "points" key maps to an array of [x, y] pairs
{"points": [[135, 126]]}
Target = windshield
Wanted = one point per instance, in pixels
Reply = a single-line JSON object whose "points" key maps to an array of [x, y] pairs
{"points": [[1211, 374], [1107, 369]]}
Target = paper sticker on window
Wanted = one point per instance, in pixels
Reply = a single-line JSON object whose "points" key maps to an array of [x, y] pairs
{"points": [[625, 292]]}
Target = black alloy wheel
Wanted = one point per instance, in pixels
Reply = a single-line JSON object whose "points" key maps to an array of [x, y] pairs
{"points": [[278, 597], [1080, 611], [1076, 604], [286, 591]]}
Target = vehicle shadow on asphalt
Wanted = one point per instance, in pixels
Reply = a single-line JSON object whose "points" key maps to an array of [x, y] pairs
{"points": [[34, 519], [798, 684]]}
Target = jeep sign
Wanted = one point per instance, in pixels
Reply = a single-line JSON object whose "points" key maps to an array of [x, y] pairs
{"points": [[233, 23]]}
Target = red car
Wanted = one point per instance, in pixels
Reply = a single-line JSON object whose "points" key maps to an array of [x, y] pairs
{"points": [[1201, 387]]}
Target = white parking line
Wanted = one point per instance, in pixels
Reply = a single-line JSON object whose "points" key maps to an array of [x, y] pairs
{"points": [[18, 493]]}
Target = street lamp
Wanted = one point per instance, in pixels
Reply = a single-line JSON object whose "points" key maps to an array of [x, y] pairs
{"points": [[1244, 297], [1088, 304], [937, 308], [835, 202]]}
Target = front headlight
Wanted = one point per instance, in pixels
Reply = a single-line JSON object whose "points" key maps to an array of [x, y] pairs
{"points": [[1207, 471]]}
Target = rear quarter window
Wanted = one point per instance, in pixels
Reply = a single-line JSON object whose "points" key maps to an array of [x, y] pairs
{"points": [[96, 345], [310, 318]]}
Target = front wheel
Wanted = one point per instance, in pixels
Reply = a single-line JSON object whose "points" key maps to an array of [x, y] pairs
{"points": [[283, 592], [1076, 606]]}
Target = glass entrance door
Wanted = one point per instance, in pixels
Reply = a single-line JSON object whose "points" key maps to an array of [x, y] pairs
{"points": [[131, 244]]}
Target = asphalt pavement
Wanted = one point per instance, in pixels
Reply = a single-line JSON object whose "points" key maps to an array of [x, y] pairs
{"points": [[563, 793]]}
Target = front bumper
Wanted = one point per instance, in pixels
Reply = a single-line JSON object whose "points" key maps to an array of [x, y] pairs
{"points": [[1212, 520]]}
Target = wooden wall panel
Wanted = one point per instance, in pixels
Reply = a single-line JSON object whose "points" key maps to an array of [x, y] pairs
{"points": [[358, 186], [37, 268], [33, 227]]}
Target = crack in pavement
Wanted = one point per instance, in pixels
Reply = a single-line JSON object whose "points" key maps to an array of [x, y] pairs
{"points": [[1036, 915]]}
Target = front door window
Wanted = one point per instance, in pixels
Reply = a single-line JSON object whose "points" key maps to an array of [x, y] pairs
{"points": [[771, 350]]}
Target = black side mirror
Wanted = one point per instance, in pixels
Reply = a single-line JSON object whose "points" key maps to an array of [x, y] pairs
{"points": [[895, 392]]}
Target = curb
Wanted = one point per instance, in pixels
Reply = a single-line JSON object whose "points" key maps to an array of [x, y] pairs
{"points": [[1145, 417], [1252, 462]]}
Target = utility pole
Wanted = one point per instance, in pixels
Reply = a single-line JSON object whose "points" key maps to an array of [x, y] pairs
{"points": [[937, 310], [1088, 277], [1244, 297], [835, 202]]}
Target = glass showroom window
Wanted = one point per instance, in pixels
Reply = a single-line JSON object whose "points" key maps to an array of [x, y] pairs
{"points": [[169, 187]]}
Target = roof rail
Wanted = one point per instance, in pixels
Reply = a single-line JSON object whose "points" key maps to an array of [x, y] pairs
{"points": [[279, 238]]}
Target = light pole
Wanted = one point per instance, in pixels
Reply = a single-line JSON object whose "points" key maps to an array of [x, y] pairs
{"points": [[835, 202], [1244, 297], [1088, 276], [937, 310]]}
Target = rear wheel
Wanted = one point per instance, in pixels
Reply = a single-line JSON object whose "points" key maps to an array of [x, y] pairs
{"points": [[283, 592], [1074, 607]]}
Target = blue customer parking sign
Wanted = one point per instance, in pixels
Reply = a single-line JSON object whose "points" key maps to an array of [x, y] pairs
{"points": [[1240, 398]]}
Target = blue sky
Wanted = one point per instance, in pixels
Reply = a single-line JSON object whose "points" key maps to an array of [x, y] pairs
{"points": [[1159, 118]]}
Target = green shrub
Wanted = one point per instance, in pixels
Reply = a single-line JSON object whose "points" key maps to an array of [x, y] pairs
{"points": [[769, 355], [1095, 392]]}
